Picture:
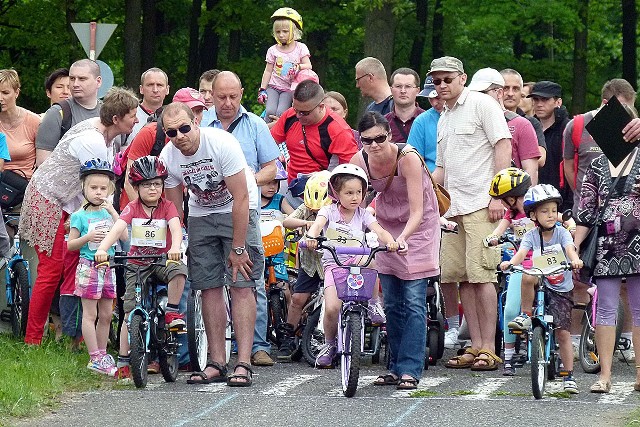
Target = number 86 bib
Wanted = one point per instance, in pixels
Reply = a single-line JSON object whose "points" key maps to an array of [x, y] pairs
{"points": [[145, 233]]}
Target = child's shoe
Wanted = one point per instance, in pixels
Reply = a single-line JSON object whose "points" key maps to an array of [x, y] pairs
{"points": [[569, 385], [102, 366], [522, 322], [508, 370], [173, 319], [123, 375], [327, 352], [376, 313]]}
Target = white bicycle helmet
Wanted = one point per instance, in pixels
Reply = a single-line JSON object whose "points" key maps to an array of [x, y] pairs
{"points": [[348, 169], [539, 194]]}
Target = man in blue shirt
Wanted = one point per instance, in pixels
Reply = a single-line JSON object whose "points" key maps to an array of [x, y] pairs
{"points": [[423, 134], [260, 151]]}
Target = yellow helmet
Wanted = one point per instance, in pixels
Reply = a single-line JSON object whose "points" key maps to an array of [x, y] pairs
{"points": [[288, 13], [316, 194], [510, 182]]}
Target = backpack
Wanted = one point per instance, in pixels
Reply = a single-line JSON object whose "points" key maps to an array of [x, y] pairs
{"points": [[67, 116], [576, 138]]}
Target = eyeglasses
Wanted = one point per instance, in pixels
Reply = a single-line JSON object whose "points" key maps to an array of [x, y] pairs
{"points": [[148, 185], [447, 80], [377, 139], [364, 75], [403, 87], [172, 133], [306, 113]]}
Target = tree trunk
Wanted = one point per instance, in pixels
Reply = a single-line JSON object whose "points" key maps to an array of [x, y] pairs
{"points": [[579, 99], [234, 45], [629, 53], [133, 38], [150, 31], [417, 49], [437, 45], [70, 14], [210, 46], [317, 42], [193, 65]]}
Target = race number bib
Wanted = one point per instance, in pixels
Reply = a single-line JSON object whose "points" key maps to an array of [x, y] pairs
{"points": [[520, 228], [342, 235], [549, 260], [149, 234], [103, 224]]}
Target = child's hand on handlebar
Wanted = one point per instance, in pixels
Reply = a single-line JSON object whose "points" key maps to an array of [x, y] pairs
{"points": [[392, 246], [491, 240], [101, 256], [505, 265], [577, 265], [311, 244]]}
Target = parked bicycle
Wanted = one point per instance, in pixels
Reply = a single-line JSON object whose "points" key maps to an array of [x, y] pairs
{"points": [[273, 243]]}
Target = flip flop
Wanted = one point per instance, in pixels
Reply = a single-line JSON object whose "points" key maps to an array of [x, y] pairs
{"points": [[489, 361], [386, 380], [248, 377], [203, 378], [460, 361], [601, 387]]}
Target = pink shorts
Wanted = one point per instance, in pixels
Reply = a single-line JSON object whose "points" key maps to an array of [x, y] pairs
{"points": [[94, 283]]}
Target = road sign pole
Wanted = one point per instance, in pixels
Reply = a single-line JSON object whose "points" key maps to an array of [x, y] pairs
{"points": [[92, 42]]}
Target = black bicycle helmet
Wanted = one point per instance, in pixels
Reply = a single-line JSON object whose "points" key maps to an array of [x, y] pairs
{"points": [[146, 168]]}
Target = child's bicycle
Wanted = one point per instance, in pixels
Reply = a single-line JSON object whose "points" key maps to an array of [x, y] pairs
{"points": [[542, 348], [273, 243], [18, 283], [147, 330], [354, 286]]}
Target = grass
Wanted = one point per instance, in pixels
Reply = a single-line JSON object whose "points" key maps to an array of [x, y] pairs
{"points": [[32, 377], [424, 393], [633, 419], [462, 393], [559, 395], [510, 393]]}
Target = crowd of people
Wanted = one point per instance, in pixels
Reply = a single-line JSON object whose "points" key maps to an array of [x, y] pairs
{"points": [[505, 150]]}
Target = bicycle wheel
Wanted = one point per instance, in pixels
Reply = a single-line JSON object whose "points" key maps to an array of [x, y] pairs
{"points": [[538, 362], [587, 351], [196, 335], [21, 299], [139, 360], [432, 348], [351, 352], [278, 314], [168, 357], [228, 333], [440, 352], [312, 337]]}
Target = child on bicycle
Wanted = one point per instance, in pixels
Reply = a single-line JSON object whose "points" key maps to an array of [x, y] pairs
{"points": [[155, 230], [95, 287], [344, 220], [310, 272], [551, 245]]}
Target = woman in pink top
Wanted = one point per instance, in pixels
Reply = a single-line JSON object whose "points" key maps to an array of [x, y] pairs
{"points": [[406, 207], [18, 124]]}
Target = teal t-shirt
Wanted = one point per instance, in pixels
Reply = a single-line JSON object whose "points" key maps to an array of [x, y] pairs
{"points": [[85, 221]]}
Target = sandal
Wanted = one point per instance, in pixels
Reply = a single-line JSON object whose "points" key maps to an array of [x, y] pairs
{"points": [[486, 361], [203, 378], [460, 361], [407, 384], [601, 387], [245, 379], [388, 379]]}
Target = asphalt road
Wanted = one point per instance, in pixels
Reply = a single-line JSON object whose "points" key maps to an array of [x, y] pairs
{"points": [[298, 395]]}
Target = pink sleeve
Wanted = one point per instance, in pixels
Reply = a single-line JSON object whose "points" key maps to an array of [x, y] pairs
{"points": [[271, 57], [303, 50], [507, 215], [368, 218]]}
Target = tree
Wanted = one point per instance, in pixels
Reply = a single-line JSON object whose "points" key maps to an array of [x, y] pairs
{"points": [[578, 104], [629, 44], [417, 48], [133, 35]]}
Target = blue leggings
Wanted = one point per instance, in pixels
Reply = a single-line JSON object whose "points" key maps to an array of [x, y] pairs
{"points": [[609, 297], [512, 305]]}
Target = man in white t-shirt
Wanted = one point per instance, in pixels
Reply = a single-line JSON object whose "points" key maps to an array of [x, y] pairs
{"points": [[225, 247]]}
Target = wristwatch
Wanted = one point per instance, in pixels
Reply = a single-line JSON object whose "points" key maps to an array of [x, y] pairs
{"points": [[239, 250]]}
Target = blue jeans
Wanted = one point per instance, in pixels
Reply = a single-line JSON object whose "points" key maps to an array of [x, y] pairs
{"points": [[260, 331], [405, 304], [512, 306]]}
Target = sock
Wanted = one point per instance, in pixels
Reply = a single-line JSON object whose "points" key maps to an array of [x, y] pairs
{"points": [[123, 361], [103, 351], [172, 307], [528, 313], [453, 322], [508, 353], [94, 355]]}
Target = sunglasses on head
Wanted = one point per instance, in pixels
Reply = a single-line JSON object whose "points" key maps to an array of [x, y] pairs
{"points": [[447, 80], [377, 139], [172, 133]]}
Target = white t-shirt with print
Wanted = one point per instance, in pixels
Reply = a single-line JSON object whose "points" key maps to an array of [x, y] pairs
{"points": [[219, 155]]}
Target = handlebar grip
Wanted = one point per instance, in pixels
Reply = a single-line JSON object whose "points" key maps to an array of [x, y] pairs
{"points": [[302, 244], [348, 250]]}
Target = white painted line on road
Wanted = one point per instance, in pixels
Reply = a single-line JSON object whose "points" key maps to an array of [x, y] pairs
{"points": [[617, 395], [405, 414], [281, 388], [206, 411], [363, 382], [424, 384], [212, 388], [485, 388]]}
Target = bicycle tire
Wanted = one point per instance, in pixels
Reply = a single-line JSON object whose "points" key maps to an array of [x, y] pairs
{"points": [[114, 335], [587, 351], [312, 337], [277, 315], [538, 362], [168, 358], [432, 348], [21, 299], [440, 352], [351, 353], [196, 334], [138, 357]]}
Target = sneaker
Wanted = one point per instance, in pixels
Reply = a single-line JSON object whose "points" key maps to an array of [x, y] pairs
{"points": [[108, 359], [102, 366], [522, 322], [569, 385], [123, 375], [451, 338], [173, 319], [376, 313], [286, 349], [627, 355], [153, 367], [508, 370], [261, 358], [327, 352]]}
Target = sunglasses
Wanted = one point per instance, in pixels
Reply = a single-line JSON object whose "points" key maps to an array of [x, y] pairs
{"points": [[172, 133], [447, 80], [306, 113], [377, 139]]}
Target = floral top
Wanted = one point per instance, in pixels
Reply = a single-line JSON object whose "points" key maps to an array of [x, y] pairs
{"points": [[618, 250]]}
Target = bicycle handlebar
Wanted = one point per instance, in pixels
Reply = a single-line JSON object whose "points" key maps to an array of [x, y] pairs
{"points": [[117, 260], [346, 250], [534, 271]]}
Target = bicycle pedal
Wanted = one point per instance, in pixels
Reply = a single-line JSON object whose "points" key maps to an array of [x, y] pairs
{"points": [[594, 357], [516, 331], [563, 373]]}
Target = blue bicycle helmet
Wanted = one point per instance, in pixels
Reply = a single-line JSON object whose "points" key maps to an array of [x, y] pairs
{"points": [[94, 166]]}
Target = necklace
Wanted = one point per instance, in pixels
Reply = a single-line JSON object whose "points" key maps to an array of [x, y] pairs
{"points": [[12, 124]]}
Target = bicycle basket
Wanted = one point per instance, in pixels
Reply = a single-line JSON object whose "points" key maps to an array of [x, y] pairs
{"points": [[272, 237], [354, 283]]}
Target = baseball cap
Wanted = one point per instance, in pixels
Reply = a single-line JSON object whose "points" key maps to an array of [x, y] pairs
{"points": [[484, 78], [189, 96], [429, 90], [446, 63], [546, 89]]}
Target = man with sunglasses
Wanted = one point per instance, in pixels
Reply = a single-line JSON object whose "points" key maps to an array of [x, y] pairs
{"points": [[405, 85], [474, 143], [225, 247], [371, 79], [317, 138]]}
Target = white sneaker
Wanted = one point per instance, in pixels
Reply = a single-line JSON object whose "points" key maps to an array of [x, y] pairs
{"points": [[629, 355], [451, 338]]}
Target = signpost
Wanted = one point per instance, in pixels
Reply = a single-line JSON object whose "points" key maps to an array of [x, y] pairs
{"points": [[93, 37]]}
